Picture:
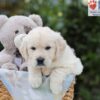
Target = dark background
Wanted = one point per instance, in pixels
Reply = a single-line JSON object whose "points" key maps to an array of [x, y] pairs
{"points": [[70, 17]]}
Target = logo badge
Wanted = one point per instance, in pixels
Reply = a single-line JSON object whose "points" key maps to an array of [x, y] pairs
{"points": [[93, 7], [92, 4]]}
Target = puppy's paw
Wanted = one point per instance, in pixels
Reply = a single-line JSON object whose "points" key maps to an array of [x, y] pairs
{"points": [[58, 96], [56, 88], [35, 82]]}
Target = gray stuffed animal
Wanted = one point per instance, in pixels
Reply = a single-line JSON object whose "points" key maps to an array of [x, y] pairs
{"points": [[9, 29]]}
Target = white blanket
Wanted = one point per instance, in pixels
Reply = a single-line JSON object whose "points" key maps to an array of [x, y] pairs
{"points": [[20, 89]]}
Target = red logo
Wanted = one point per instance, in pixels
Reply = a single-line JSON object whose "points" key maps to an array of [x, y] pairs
{"points": [[92, 4]]}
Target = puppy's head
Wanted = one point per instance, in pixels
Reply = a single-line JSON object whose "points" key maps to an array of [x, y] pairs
{"points": [[41, 47]]}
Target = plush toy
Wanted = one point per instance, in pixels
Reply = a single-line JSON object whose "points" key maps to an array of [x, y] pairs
{"points": [[10, 58]]}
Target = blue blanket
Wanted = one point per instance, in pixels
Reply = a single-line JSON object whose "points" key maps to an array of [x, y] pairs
{"points": [[18, 86]]}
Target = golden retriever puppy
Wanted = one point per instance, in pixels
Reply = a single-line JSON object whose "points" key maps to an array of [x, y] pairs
{"points": [[47, 53]]}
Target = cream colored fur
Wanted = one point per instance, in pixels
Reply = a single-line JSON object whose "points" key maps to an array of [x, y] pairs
{"points": [[60, 59]]}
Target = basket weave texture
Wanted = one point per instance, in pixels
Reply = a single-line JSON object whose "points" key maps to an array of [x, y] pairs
{"points": [[5, 95]]}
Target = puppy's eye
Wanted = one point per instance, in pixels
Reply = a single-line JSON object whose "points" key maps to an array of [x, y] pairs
{"points": [[16, 32], [47, 48], [33, 48]]}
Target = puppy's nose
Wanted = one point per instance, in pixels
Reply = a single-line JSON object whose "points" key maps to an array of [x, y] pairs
{"points": [[40, 61]]}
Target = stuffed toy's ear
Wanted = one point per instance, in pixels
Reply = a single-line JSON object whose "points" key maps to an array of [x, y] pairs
{"points": [[37, 19], [3, 19], [60, 45], [21, 44], [18, 40]]}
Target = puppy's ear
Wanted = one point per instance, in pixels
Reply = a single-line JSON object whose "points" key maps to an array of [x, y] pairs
{"points": [[18, 40], [21, 44], [60, 45], [23, 49]]}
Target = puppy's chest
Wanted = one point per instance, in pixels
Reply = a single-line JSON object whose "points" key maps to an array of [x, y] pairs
{"points": [[46, 72]]}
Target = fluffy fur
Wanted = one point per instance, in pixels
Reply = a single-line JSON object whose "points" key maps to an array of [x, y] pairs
{"points": [[9, 29], [59, 58]]}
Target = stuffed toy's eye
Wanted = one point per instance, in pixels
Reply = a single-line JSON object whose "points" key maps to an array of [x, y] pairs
{"points": [[27, 32], [16, 32], [47, 48], [33, 48], [27, 29]]}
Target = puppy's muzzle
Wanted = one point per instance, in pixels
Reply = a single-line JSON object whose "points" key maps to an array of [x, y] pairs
{"points": [[40, 61]]}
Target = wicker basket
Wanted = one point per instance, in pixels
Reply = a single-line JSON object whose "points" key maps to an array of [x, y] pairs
{"points": [[4, 94], [70, 93]]}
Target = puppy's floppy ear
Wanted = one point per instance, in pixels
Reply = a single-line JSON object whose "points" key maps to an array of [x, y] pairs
{"points": [[23, 49], [60, 45], [18, 40], [21, 44]]}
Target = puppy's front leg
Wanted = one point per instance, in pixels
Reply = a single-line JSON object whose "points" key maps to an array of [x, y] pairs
{"points": [[56, 80], [35, 77]]}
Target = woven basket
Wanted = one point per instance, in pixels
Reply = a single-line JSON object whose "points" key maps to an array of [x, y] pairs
{"points": [[4, 94]]}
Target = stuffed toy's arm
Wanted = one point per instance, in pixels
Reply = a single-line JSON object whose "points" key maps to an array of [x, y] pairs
{"points": [[5, 58], [6, 61], [9, 66]]}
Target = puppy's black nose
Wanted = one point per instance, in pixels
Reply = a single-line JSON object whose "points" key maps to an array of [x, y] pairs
{"points": [[40, 61]]}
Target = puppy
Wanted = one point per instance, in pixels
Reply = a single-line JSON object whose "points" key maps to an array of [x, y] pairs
{"points": [[47, 53]]}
